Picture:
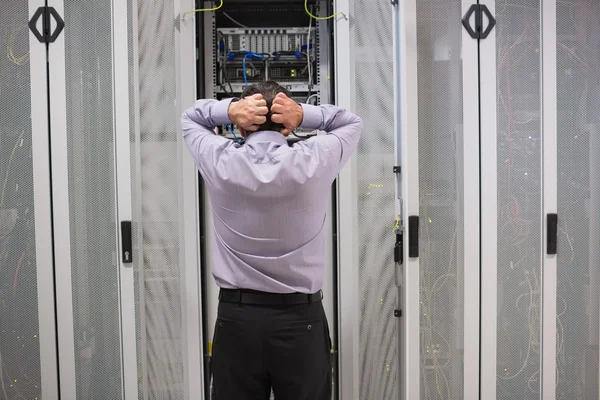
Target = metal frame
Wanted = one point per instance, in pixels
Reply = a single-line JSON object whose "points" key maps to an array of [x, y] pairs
{"points": [[210, 90], [138, 191], [397, 26], [550, 197], [323, 77], [189, 187], [209, 51], [489, 211], [348, 307], [43, 213], [398, 209], [212, 290], [407, 126], [123, 194], [594, 249], [471, 213], [61, 224], [323, 83]]}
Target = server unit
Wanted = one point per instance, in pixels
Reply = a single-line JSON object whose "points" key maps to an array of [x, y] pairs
{"points": [[246, 42]]}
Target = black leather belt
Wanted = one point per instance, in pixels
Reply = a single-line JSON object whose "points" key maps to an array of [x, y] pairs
{"points": [[243, 296]]}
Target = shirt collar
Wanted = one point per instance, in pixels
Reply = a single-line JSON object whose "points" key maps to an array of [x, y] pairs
{"points": [[266, 136]]}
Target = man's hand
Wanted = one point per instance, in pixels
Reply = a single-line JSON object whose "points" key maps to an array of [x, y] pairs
{"points": [[287, 112], [249, 113]]}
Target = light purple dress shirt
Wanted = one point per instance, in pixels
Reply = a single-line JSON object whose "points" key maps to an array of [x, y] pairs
{"points": [[269, 200]]}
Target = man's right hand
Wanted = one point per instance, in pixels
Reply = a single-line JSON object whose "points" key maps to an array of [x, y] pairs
{"points": [[287, 112], [248, 113]]}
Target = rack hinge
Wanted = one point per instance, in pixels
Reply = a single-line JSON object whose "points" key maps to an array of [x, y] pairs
{"points": [[397, 313], [398, 254]]}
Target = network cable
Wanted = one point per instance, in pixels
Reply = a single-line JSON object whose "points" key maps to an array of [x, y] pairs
{"points": [[234, 20], [225, 78], [308, 63], [2, 378], [21, 60], [203, 10], [311, 97], [251, 54], [303, 137], [8, 168], [322, 18], [235, 138]]}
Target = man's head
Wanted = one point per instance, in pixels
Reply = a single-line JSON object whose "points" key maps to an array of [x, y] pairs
{"points": [[268, 90]]}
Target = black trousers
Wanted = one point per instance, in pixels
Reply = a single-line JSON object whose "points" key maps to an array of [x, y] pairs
{"points": [[284, 347]]}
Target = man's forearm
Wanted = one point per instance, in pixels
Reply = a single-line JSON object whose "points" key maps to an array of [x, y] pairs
{"points": [[199, 121], [343, 125], [327, 117], [208, 113]]}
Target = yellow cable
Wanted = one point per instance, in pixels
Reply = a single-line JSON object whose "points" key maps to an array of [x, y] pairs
{"points": [[10, 47], [396, 226], [322, 18], [203, 9]]}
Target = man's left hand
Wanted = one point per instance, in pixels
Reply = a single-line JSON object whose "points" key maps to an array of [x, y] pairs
{"points": [[287, 112]]}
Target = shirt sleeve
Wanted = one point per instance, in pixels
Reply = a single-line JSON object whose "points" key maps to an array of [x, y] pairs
{"points": [[343, 127], [198, 124]]}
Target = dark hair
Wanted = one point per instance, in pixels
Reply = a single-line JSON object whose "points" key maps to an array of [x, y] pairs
{"points": [[269, 90]]}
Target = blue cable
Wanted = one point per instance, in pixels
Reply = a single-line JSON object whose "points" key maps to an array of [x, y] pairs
{"points": [[230, 128], [251, 54], [244, 69]]}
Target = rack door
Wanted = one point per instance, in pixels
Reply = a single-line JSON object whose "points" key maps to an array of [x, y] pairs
{"points": [[368, 292], [512, 219], [27, 318], [159, 57], [124, 201], [577, 197], [437, 199], [84, 185]]}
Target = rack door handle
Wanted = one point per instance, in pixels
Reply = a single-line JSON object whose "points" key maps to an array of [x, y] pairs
{"points": [[126, 243], [46, 36], [552, 233], [413, 236]]}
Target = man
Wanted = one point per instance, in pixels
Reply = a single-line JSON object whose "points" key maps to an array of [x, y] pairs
{"points": [[269, 202]]}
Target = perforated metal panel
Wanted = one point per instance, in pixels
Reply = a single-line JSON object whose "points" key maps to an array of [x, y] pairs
{"points": [[578, 297], [20, 374], [441, 202], [156, 193], [90, 135], [374, 103], [519, 146]]}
